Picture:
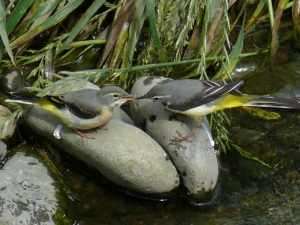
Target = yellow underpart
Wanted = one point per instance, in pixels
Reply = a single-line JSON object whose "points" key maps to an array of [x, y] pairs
{"points": [[49, 107], [224, 102], [232, 101]]}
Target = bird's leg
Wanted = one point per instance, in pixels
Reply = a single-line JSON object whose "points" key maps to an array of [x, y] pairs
{"points": [[100, 128], [82, 135], [181, 138]]}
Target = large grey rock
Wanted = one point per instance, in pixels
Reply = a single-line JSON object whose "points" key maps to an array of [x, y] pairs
{"points": [[195, 159], [121, 115], [123, 153], [27, 192]]}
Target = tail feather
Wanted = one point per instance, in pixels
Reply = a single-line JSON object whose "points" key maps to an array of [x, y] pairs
{"points": [[22, 100], [271, 102]]}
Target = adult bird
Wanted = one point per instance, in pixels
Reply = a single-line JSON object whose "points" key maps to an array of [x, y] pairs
{"points": [[195, 98], [81, 109]]}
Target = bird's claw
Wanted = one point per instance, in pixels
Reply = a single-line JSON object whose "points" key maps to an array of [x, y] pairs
{"points": [[178, 140], [82, 135], [100, 128]]}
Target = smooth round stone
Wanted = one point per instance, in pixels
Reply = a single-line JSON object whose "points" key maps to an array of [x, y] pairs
{"points": [[121, 115], [123, 153], [14, 80], [195, 159]]}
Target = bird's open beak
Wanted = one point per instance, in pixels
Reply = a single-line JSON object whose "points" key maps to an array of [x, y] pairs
{"points": [[128, 97]]}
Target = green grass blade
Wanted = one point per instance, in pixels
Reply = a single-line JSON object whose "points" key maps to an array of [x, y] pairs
{"points": [[256, 13], [81, 23], [271, 12], [43, 12], [53, 20], [152, 20], [135, 29], [233, 57], [3, 33], [120, 46], [24, 25], [17, 14]]}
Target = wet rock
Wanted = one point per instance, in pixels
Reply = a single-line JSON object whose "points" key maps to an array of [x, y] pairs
{"points": [[123, 154], [14, 80], [195, 159], [27, 193]]}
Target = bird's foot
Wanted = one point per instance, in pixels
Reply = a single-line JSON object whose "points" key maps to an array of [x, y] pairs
{"points": [[181, 138], [100, 128], [82, 135]]}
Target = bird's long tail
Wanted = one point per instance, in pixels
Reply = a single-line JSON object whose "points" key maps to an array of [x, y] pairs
{"points": [[272, 102], [231, 101], [30, 100]]}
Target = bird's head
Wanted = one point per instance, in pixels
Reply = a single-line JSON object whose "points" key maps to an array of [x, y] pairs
{"points": [[158, 94], [115, 96]]}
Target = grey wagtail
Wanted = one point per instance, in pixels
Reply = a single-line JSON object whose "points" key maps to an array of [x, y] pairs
{"points": [[195, 98], [82, 109]]}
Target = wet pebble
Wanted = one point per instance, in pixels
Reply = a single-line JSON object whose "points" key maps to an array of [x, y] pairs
{"points": [[14, 80]]}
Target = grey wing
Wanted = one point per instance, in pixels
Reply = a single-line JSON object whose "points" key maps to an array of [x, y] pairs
{"points": [[193, 94], [84, 103]]}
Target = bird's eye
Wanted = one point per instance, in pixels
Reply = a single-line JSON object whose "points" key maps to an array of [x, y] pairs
{"points": [[155, 98], [115, 95]]}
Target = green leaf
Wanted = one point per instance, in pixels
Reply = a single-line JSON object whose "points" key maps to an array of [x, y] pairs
{"points": [[81, 23], [152, 20], [17, 14], [53, 20], [3, 33], [233, 57], [43, 12], [256, 14]]}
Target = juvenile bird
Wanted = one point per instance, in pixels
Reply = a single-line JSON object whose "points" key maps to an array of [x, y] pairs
{"points": [[195, 98], [82, 109]]}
